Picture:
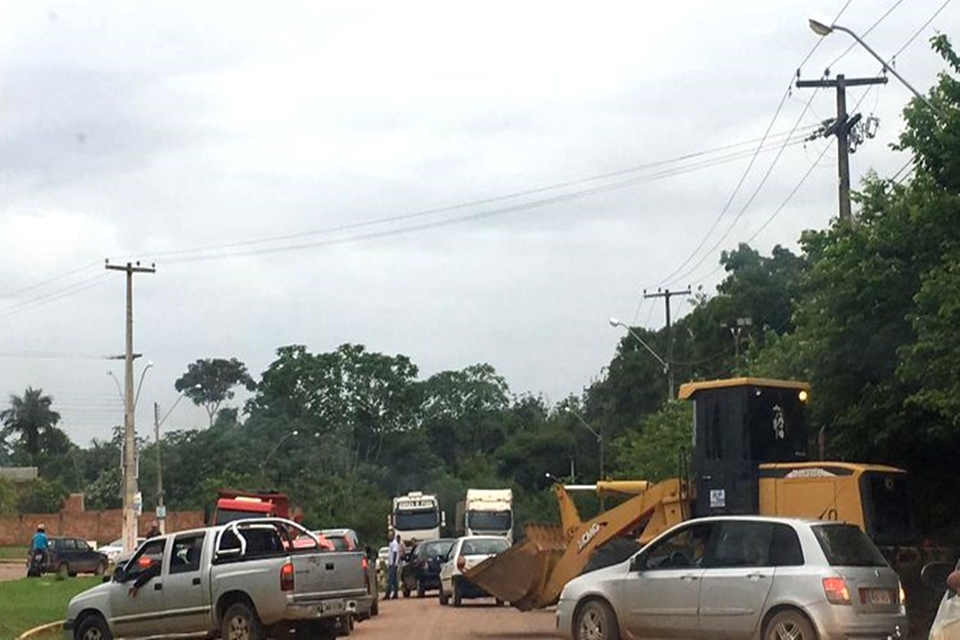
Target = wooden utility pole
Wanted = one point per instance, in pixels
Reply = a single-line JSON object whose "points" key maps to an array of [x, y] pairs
{"points": [[841, 128], [129, 431], [666, 294]]}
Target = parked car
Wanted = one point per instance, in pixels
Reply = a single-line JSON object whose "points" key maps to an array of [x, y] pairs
{"points": [[741, 577], [114, 550], [464, 553], [421, 568], [347, 540], [944, 576], [70, 556]]}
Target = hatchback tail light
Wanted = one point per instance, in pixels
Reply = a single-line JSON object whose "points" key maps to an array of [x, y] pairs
{"points": [[286, 577], [461, 563], [836, 591]]}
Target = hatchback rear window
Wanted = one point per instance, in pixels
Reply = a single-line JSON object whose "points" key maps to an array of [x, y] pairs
{"points": [[845, 545], [481, 547]]}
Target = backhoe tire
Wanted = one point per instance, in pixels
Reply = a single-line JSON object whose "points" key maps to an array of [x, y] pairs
{"points": [[595, 620], [789, 624], [93, 628], [240, 622]]}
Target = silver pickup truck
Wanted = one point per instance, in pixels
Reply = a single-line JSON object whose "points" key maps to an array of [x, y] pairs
{"points": [[245, 580]]}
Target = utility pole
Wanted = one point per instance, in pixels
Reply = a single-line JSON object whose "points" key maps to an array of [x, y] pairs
{"points": [[129, 431], [666, 294], [161, 509], [841, 128]]}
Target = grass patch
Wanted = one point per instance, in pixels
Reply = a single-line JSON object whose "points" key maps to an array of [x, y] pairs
{"points": [[31, 602], [13, 553]]}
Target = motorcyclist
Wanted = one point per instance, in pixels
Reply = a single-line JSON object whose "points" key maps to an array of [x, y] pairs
{"points": [[40, 543]]}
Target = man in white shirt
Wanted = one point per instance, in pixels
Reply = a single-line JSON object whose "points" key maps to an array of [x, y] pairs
{"points": [[393, 568]]}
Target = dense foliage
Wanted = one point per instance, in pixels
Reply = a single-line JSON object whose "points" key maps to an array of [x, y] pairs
{"points": [[868, 313]]}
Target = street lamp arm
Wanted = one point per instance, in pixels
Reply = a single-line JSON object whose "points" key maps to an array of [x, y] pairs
{"points": [[143, 374], [618, 323], [821, 29], [585, 424], [277, 446]]}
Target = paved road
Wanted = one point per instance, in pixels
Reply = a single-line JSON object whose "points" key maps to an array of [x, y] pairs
{"points": [[409, 618]]}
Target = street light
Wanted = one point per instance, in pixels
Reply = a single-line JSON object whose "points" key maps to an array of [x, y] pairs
{"points": [[596, 435], [274, 450], [129, 465], [663, 363], [157, 421], [823, 29]]}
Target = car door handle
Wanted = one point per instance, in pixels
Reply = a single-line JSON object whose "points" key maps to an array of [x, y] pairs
{"points": [[690, 578], [158, 586], [329, 566], [196, 581], [755, 576]]}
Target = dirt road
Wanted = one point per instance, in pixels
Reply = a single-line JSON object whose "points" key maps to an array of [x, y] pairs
{"points": [[425, 618]]}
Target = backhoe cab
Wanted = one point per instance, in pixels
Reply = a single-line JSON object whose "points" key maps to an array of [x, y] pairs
{"points": [[750, 456]]}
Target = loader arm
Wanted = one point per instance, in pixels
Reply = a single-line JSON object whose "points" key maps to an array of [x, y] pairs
{"points": [[531, 575]]}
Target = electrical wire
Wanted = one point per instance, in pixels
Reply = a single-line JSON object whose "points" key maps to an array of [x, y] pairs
{"points": [[32, 303], [855, 44]]}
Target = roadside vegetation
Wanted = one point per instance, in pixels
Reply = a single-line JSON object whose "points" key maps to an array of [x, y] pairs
{"points": [[30, 603], [868, 312]]}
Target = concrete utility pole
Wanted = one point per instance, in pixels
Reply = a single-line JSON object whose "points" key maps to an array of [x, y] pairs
{"points": [[841, 128], [129, 431], [161, 509], [666, 294]]}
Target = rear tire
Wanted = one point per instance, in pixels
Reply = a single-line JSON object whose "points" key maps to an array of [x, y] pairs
{"points": [[101, 569], [789, 624], [64, 570], [93, 628], [595, 620], [241, 623]]}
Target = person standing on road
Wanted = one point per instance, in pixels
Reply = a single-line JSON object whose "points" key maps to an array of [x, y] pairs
{"points": [[393, 567], [154, 530]]}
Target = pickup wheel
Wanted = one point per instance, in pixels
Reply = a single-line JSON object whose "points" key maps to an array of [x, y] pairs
{"points": [[93, 628], [241, 623]]}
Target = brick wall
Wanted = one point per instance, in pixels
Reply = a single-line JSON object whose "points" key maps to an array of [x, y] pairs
{"points": [[73, 520]]}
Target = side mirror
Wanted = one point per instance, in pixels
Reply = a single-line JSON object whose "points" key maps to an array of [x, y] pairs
{"points": [[119, 575], [934, 575], [637, 562]]}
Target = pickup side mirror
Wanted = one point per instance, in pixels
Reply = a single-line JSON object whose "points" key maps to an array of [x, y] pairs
{"points": [[637, 562]]}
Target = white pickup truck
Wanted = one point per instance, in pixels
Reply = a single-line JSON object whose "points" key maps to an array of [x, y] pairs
{"points": [[245, 580]]}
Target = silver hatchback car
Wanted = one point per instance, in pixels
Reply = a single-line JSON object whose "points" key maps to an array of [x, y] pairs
{"points": [[741, 577]]}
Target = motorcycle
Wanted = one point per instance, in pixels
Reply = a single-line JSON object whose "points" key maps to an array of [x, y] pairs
{"points": [[35, 566]]}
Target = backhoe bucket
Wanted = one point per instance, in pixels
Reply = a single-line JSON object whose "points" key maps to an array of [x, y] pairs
{"points": [[519, 574]]}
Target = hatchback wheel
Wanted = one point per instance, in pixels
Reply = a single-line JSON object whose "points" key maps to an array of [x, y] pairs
{"points": [[789, 625], [595, 621]]}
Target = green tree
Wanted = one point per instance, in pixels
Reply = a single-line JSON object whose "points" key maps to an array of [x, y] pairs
{"points": [[652, 450], [31, 418], [211, 381]]}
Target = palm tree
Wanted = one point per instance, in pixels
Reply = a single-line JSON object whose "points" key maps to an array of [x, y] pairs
{"points": [[29, 416]]}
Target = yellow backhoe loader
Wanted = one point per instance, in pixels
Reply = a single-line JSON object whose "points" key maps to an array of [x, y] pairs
{"points": [[749, 456]]}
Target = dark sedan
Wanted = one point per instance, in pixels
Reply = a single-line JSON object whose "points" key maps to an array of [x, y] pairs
{"points": [[421, 568]]}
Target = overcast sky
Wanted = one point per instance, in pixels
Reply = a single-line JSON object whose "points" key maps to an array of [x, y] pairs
{"points": [[456, 182]]}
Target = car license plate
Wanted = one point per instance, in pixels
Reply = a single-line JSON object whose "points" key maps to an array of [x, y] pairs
{"points": [[880, 596], [332, 606]]}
